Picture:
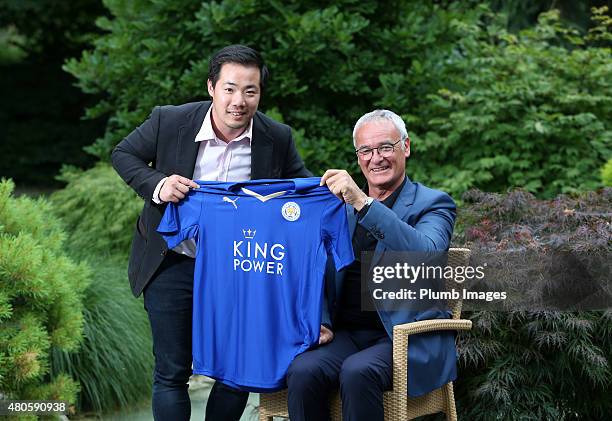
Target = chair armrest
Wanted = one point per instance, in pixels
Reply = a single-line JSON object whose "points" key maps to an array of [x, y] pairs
{"points": [[401, 334], [431, 325]]}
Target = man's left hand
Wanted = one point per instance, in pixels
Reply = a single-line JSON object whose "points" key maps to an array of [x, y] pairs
{"points": [[325, 336], [344, 187]]}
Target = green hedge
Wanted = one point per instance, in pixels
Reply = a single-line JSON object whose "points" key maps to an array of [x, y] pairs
{"points": [[98, 209], [530, 110], [485, 108], [606, 174]]}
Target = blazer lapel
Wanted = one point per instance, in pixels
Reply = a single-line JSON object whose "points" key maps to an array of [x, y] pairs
{"points": [[262, 149], [187, 148], [401, 207]]}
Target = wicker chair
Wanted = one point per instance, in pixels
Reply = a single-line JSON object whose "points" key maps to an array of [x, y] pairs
{"points": [[398, 405]]}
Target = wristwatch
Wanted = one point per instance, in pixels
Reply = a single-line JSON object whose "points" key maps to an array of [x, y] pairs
{"points": [[366, 205]]}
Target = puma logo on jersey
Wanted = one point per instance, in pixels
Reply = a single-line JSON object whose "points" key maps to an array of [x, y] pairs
{"points": [[228, 200]]}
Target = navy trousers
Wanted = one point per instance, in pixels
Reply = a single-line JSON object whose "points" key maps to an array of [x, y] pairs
{"points": [[359, 362], [168, 300]]}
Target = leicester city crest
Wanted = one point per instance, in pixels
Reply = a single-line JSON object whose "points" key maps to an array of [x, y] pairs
{"points": [[291, 211]]}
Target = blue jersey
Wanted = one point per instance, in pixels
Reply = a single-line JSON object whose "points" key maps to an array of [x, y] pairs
{"points": [[261, 252]]}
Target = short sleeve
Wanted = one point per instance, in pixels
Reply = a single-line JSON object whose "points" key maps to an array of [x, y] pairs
{"points": [[181, 220], [336, 235]]}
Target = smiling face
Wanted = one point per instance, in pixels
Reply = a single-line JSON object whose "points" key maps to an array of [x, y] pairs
{"points": [[235, 99], [384, 174]]}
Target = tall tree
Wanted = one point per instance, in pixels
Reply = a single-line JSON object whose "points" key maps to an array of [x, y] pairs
{"points": [[40, 108]]}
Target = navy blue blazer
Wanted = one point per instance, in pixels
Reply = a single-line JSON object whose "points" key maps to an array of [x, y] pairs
{"points": [[421, 219]]}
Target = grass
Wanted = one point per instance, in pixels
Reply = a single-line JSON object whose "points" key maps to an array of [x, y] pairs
{"points": [[114, 364]]}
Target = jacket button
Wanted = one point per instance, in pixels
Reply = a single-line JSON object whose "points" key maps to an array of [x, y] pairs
{"points": [[163, 253], [381, 235]]}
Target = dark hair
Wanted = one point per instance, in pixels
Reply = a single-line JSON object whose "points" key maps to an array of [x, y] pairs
{"points": [[239, 54]]}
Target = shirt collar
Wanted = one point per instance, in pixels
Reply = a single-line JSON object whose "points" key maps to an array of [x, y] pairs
{"points": [[296, 185], [207, 133], [390, 200]]}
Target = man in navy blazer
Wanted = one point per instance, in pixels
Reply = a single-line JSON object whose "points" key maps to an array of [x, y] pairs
{"points": [[392, 213], [225, 140]]}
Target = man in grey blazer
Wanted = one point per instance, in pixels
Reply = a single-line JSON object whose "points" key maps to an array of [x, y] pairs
{"points": [[225, 140]]}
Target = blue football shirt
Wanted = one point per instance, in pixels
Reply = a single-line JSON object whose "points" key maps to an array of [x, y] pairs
{"points": [[262, 248]]}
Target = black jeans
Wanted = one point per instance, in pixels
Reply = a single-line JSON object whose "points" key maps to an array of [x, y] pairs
{"points": [[168, 300], [359, 362]]}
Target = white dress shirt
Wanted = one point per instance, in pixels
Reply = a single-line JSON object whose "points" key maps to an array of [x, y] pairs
{"points": [[216, 161]]}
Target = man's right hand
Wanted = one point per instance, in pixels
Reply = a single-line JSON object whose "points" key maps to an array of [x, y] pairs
{"points": [[344, 187], [175, 188]]}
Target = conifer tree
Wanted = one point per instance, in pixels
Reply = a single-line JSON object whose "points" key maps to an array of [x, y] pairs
{"points": [[40, 299]]}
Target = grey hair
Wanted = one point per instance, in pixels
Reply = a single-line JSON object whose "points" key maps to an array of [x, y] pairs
{"points": [[378, 115]]}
